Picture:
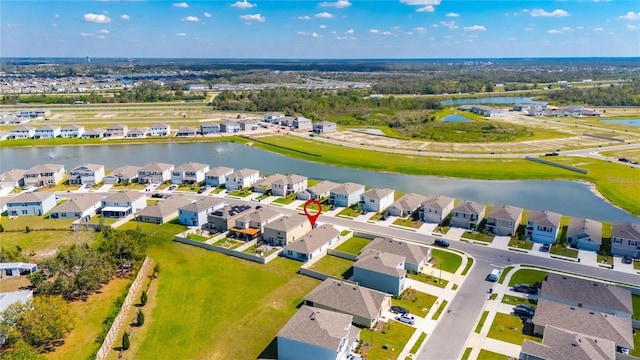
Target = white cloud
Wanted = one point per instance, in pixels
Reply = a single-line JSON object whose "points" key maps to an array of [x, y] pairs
{"points": [[324, 15], [554, 13], [632, 27], [305, 17], [181, 34], [630, 16], [554, 31], [425, 5], [191, 19], [207, 15], [598, 29], [529, 29], [452, 14], [243, 4], [96, 18], [374, 31], [323, 26], [315, 35], [420, 30], [449, 24], [125, 17], [254, 17], [104, 31], [338, 4], [350, 32], [183, 5], [57, 16], [475, 28], [435, 26], [386, 33], [84, 34]]}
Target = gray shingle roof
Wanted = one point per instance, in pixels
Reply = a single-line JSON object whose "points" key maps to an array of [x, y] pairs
{"points": [[322, 187], [322, 328], [128, 171], [409, 202], [544, 218], [381, 262], [31, 197], [219, 171], [203, 204], [86, 166], [505, 212], [156, 166], [469, 207], [287, 223], [45, 167], [313, 240], [78, 203], [590, 227], [560, 344], [437, 202], [413, 254], [377, 193], [128, 196], [348, 298], [347, 188], [12, 175], [628, 231], [243, 173], [164, 208], [191, 166]]}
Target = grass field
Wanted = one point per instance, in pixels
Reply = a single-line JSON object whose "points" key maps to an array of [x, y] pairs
{"points": [[509, 329], [394, 336], [521, 244], [483, 318], [446, 261], [429, 279], [635, 301], [418, 343], [478, 236], [504, 274], [515, 300], [527, 276], [285, 200], [416, 302], [354, 245], [35, 223], [438, 312], [334, 266], [209, 286], [39, 244], [349, 212], [408, 222], [490, 355]]}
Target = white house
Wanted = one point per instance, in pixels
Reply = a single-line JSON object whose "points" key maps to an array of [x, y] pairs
{"points": [[123, 203], [86, 174], [435, 209], [82, 206], [23, 132], [209, 128], [160, 130], [72, 131], [116, 130], [33, 203], [217, 176], [155, 173], [346, 194], [195, 214], [376, 200], [48, 132], [12, 178], [242, 178], [139, 132], [542, 226], [406, 205], [625, 239], [189, 173], [289, 184], [302, 123], [124, 174], [44, 175], [314, 244], [324, 127], [273, 118], [96, 133]]}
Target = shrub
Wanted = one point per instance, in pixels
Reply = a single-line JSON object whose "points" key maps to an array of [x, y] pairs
{"points": [[140, 318], [143, 298], [125, 341]]}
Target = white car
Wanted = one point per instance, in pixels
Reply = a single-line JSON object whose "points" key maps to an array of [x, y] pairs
{"points": [[407, 319]]}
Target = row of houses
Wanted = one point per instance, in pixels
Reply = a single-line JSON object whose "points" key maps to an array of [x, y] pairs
{"points": [[541, 109], [301, 123], [23, 116]]}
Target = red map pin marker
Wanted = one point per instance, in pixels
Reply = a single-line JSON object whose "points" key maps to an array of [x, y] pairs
{"points": [[312, 217]]}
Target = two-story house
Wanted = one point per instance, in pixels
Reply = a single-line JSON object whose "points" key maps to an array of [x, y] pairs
{"points": [[318, 191], [224, 219], [138, 132], [314, 244], [122, 175], [241, 179], [415, 256], [82, 206], [467, 215], [196, 214], [503, 220], [123, 203], [584, 234], [273, 118], [72, 131], [44, 175], [407, 205], [376, 200], [542, 226], [116, 130], [12, 178], [286, 230], [96, 133], [435, 209], [155, 173], [47, 132], [160, 130], [625, 239], [189, 173], [32, 203], [346, 194], [380, 271], [86, 174], [302, 123], [325, 127], [251, 225], [23, 132], [288, 184], [217, 176], [186, 131], [209, 129]]}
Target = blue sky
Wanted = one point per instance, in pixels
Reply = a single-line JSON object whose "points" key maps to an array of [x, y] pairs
{"points": [[317, 29]]}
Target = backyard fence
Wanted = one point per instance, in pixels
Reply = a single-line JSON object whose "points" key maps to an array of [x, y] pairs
{"points": [[238, 252], [120, 319]]}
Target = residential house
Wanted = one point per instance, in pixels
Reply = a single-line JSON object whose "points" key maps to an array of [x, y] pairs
{"points": [[72, 131], [251, 225], [186, 131], [123, 203], [217, 176], [286, 230], [625, 239], [241, 179], [196, 213], [86, 174], [576, 319], [32, 203], [224, 219], [380, 271], [44, 175], [313, 245], [248, 125], [587, 294], [116, 130], [9, 298], [15, 269], [163, 211], [265, 185], [319, 191], [302, 124], [435, 209], [4, 135], [467, 215], [584, 234], [96, 133], [346, 194], [273, 118], [324, 127], [542, 226], [407, 205], [82, 206], [139, 132], [122, 175], [366, 305], [23, 132], [314, 333], [189, 173], [160, 130], [503, 220], [415, 256], [289, 184], [155, 173], [47, 132], [12, 178], [376, 200], [286, 120], [486, 111], [229, 127], [35, 113], [561, 344], [209, 128]]}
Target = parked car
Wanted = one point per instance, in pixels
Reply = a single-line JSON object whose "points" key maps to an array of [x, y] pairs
{"points": [[627, 260], [528, 307], [525, 288], [545, 248], [495, 275], [399, 310], [441, 243], [523, 310], [407, 319], [202, 189], [173, 187]]}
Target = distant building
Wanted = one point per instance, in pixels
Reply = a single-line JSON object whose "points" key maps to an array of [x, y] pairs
{"points": [[47, 132], [324, 127], [209, 128], [302, 123], [72, 131], [160, 130]]}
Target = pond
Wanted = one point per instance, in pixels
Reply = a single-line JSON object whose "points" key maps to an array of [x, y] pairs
{"points": [[455, 118], [565, 197], [623, 122], [491, 100]]}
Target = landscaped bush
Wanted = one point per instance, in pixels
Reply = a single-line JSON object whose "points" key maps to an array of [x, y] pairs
{"points": [[126, 343], [140, 318]]}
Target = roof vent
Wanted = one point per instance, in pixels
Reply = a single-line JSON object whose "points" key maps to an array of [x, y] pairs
{"points": [[574, 344], [564, 278], [591, 313], [312, 316], [572, 308]]}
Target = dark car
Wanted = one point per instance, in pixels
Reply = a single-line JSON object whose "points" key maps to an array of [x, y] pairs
{"points": [[399, 310], [202, 189], [545, 248], [528, 307], [627, 260], [523, 311], [441, 243], [525, 288]]}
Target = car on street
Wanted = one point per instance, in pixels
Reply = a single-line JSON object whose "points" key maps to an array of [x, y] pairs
{"points": [[399, 310], [203, 189], [494, 275], [545, 248], [173, 187], [441, 242], [525, 288], [407, 319]]}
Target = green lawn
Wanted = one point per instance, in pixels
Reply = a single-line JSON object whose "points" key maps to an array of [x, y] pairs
{"points": [[438, 312], [416, 347], [228, 243], [35, 223], [558, 249], [490, 355], [635, 301], [408, 222], [222, 299], [636, 345], [509, 329], [394, 336], [504, 274], [350, 212], [468, 266], [354, 245], [467, 353], [527, 276], [286, 200], [416, 302], [515, 300], [446, 261], [98, 219], [434, 279], [478, 236], [334, 266], [483, 318], [196, 237], [521, 244], [241, 193]]}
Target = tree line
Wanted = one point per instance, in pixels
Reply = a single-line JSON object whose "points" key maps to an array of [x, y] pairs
{"points": [[625, 95]]}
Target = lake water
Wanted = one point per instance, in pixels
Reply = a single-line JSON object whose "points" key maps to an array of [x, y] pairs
{"points": [[565, 197], [455, 118], [623, 122], [491, 100]]}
